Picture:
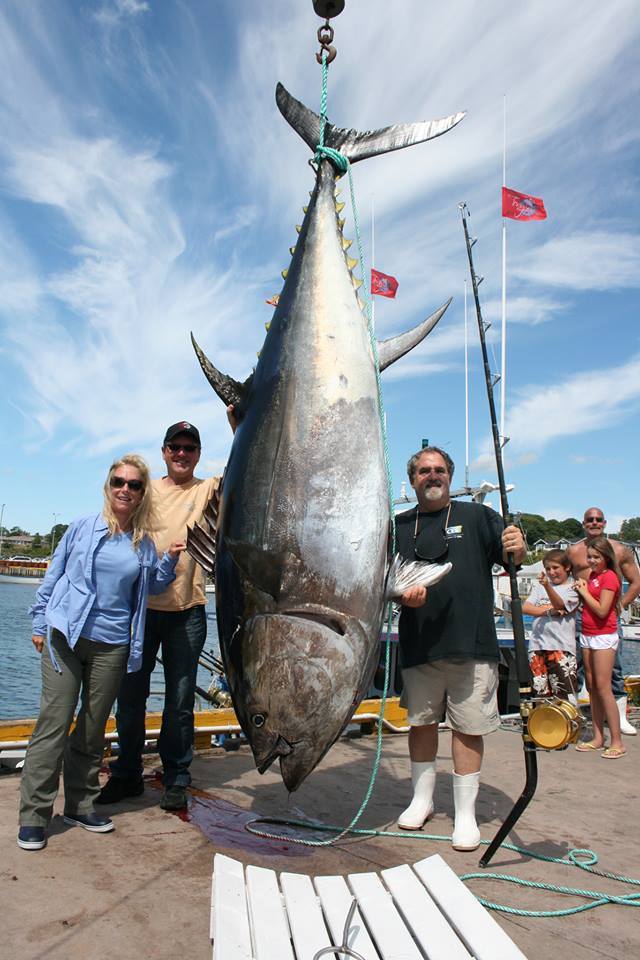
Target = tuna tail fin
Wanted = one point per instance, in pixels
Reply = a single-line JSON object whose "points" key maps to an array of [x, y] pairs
{"points": [[395, 347], [229, 390], [413, 573], [352, 144]]}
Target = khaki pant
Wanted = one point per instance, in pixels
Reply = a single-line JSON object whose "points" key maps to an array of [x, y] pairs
{"points": [[96, 669]]}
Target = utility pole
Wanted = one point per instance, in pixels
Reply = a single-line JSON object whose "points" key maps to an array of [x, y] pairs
{"points": [[53, 532], [1, 527]]}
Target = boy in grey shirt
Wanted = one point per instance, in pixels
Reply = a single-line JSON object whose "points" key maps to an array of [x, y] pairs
{"points": [[552, 641]]}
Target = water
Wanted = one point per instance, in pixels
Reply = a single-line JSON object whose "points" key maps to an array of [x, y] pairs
{"points": [[20, 662]]}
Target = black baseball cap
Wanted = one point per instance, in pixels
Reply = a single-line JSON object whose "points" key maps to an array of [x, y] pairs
{"points": [[182, 427]]}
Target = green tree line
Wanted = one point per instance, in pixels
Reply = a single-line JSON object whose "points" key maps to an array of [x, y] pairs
{"points": [[537, 528]]}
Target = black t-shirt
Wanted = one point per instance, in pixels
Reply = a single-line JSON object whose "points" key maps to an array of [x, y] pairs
{"points": [[457, 619]]}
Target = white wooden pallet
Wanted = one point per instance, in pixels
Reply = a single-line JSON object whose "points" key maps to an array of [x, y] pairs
{"points": [[404, 913]]}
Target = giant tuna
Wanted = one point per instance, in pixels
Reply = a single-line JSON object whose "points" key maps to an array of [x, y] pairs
{"points": [[301, 530]]}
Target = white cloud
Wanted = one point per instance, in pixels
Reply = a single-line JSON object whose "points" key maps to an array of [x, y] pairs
{"points": [[525, 310], [115, 11], [405, 369], [584, 403], [595, 260]]}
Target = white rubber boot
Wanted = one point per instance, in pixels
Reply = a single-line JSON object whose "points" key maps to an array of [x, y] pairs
{"points": [[466, 835], [423, 778], [625, 727]]}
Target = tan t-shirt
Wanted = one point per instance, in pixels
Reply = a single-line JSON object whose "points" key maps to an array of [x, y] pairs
{"points": [[177, 505]]}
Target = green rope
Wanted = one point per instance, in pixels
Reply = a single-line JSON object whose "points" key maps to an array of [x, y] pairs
{"points": [[573, 858], [337, 159]]}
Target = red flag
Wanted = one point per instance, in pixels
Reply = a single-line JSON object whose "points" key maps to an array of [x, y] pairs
{"points": [[383, 285], [520, 206]]}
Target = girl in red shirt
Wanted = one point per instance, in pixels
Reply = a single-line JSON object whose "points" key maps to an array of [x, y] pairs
{"points": [[599, 641]]}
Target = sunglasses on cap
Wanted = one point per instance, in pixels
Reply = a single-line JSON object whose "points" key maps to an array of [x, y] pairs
{"points": [[430, 543], [120, 482], [187, 447]]}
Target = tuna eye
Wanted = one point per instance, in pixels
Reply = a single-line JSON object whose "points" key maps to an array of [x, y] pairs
{"points": [[258, 719]]}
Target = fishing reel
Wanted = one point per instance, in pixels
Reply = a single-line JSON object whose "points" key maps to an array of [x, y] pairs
{"points": [[552, 723], [219, 698]]}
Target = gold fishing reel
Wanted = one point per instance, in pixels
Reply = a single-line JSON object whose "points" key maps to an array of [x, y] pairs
{"points": [[553, 723]]}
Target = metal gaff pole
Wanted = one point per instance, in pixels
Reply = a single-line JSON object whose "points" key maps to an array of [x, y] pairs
{"points": [[522, 662]]}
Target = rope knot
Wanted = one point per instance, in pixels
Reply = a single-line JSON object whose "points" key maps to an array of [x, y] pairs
{"points": [[338, 159]]}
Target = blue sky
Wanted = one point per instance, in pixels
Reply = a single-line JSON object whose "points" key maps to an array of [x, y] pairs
{"points": [[149, 187]]}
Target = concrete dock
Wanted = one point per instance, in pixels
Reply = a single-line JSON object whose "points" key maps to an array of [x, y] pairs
{"points": [[143, 891]]}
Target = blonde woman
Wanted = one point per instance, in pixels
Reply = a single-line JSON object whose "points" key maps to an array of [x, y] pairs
{"points": [[88, 624]]}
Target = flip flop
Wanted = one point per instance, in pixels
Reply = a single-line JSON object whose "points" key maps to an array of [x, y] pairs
{"points": [[586, 747], [613, 753]]}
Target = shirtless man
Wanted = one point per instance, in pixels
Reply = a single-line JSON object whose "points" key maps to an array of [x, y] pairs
{"points": [[594, 523]]}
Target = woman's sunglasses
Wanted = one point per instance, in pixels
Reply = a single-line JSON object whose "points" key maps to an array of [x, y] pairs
{"points": [[120, 482]]}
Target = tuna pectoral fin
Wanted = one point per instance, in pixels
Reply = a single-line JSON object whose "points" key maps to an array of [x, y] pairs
{"points": [[265, 569], [229, 390], [201, 537], [396, 347], [404, 574], [354, 145]]}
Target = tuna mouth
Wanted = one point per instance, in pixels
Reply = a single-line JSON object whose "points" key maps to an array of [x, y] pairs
{"points": [[282, 748], [333, 621]]}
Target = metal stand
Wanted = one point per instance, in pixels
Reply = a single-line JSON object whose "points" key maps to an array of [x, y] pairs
{"points": [[522, 662]]}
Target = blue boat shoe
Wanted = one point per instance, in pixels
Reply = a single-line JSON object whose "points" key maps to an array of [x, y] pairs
{"points": [[31, 838], [90, 821]]}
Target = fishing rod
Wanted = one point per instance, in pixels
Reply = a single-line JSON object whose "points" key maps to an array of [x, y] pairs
{"points": [[522, 661]]}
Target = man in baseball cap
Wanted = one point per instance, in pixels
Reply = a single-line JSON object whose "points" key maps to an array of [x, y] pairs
{"points": [[183, 426], [176, 624]]}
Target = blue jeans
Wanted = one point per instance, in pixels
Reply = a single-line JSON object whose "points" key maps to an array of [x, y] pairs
{"points": [[180, 636]]}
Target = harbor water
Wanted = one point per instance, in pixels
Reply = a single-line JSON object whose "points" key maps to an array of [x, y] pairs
{"points": [[20, 662]]}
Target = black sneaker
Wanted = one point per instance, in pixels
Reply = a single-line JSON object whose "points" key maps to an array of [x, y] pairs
{"points": [[31, 838], [90, 821], [174, 798], [119, 788]]}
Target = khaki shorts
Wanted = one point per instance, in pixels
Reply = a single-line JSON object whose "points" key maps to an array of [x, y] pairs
{"points": [[464, 689]]}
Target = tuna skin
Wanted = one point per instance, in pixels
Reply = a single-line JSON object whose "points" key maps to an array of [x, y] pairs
{"points": [[302, 540], [305, 492]]}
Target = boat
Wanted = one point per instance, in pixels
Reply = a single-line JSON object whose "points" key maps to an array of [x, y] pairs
{"points": [[20, 570]]}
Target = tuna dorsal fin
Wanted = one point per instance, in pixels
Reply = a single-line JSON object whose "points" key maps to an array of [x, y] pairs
{"points": [[396, 347], [352, 144], [228, 389]]}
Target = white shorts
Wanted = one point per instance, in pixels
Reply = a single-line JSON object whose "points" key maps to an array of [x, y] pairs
{"points": [[465, 689], [600, 641]]}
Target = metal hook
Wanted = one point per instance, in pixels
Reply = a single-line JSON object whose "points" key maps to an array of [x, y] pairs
{"points": [[343, 949], [325, 39]]}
